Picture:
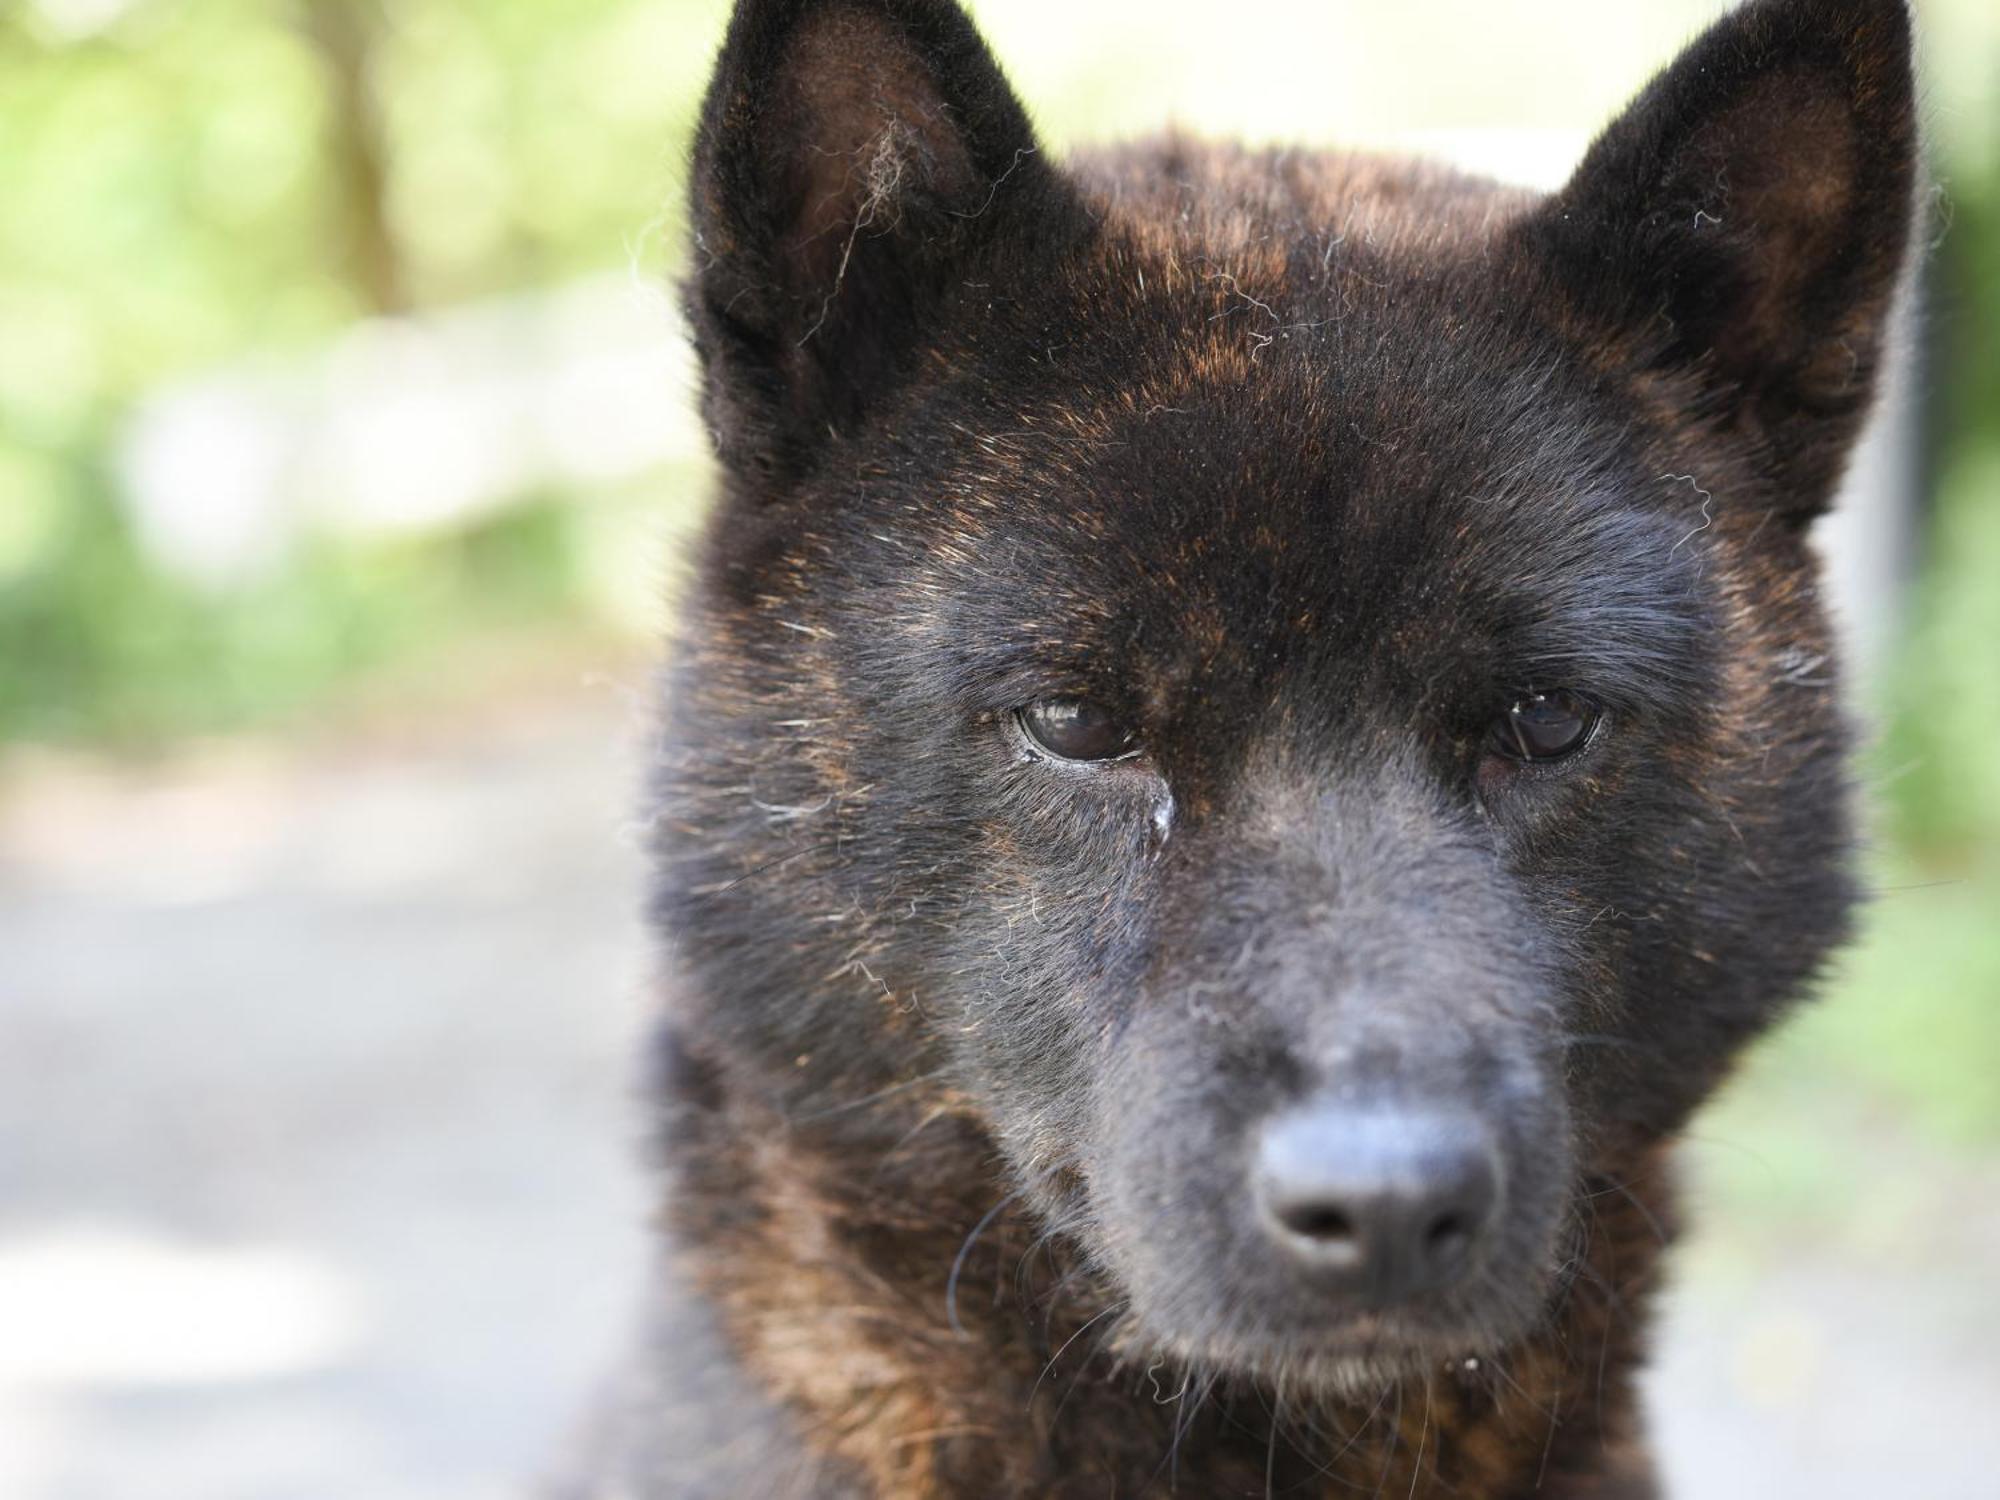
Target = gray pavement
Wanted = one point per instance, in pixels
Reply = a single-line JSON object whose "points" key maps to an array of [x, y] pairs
{"points": [[318, 1151]]}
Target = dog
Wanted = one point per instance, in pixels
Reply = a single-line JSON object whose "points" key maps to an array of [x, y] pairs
{"points": [[1253, 731]]}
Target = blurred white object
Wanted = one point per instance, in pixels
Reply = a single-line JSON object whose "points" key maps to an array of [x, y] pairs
{"points": [[410, 424], [75, 20], [98, 1308]]}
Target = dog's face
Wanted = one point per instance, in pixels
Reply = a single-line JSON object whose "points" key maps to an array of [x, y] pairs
{"points": [[1289, 691]]}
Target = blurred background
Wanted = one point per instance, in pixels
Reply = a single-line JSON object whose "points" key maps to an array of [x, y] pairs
{"points": [[345, 456]]}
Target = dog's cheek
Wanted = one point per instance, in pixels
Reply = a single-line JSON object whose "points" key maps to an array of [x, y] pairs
{"points": [[1161, 1198], [1058, 934], [1691, 925]]}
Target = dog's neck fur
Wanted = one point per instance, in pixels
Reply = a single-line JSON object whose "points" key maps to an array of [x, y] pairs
{"points": [[913, 1355]]}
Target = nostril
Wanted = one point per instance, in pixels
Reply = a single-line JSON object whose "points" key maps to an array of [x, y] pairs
{"points": [[1316, 1221], [1448, 1237]]}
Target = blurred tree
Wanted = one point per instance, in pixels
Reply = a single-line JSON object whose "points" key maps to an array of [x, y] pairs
{"points": [[345, 32], [191, 182]]}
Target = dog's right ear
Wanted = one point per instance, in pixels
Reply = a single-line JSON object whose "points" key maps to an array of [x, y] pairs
{"points": [[1746, 222], [856, 159]]}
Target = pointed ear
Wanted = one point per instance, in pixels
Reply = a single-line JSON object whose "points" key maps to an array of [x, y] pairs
{"points": [[855, 159], [1746, 221]]}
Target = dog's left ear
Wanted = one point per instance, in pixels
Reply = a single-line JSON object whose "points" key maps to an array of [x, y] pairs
{"points": [[857, 163], [1746, 220]]}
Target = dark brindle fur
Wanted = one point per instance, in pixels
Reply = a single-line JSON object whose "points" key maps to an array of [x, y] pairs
{"points": [[1302, 468]]}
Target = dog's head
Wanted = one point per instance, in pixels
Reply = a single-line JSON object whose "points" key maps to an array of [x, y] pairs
{"points": [[1289, 690]]}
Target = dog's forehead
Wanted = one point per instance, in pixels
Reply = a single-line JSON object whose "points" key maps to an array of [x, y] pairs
{"points": [[1284, 523], [1311, 422], [1200, 471], [1276, 353]]}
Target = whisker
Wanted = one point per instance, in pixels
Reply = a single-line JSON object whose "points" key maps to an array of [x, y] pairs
{"points": [[964, 1250], [1613, 1185], [1423, 1441], [1271, 1448], [1395, 1441], [1092, 1322], [847, 1106], [714, 893]]}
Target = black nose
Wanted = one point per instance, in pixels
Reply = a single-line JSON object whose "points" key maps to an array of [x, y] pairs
{"points": [[1387, 1203]]}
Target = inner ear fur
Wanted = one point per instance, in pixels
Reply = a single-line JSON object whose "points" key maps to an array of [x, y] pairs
{"points": [[859, 134], [1747, 219], [853, 157]]}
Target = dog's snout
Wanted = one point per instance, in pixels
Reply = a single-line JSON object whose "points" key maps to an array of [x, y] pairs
{"points": [[1385, 1203]]}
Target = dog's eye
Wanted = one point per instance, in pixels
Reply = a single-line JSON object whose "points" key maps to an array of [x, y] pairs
{"points": [[1077, 729], [1546, 726]]}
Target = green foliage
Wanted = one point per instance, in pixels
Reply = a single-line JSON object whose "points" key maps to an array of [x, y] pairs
{"points": [[182, 191]]}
